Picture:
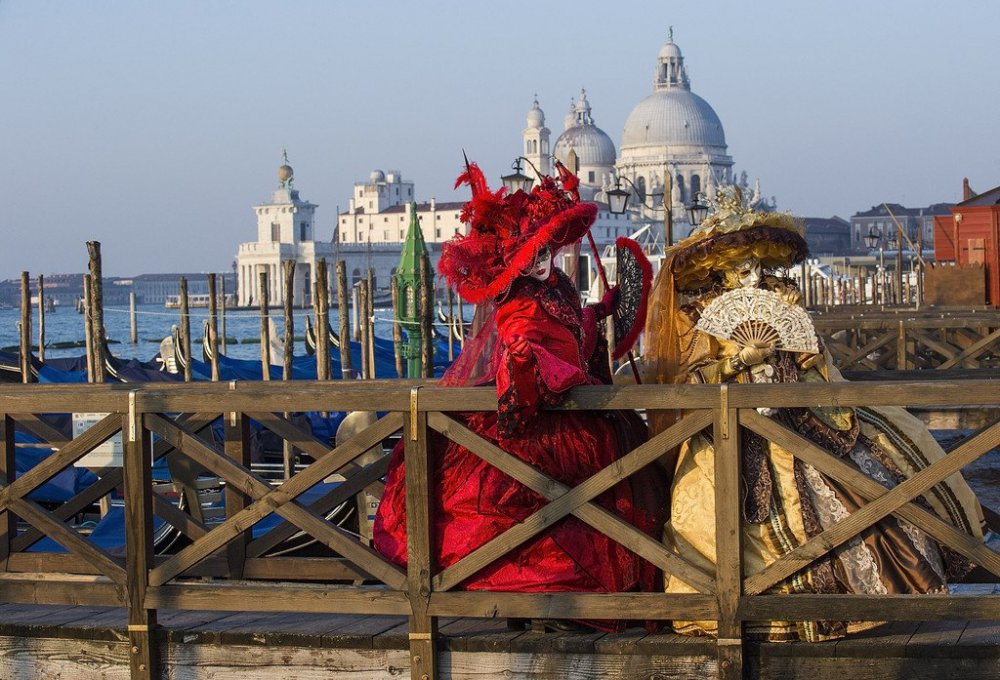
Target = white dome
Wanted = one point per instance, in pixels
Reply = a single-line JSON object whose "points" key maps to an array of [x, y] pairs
{"points": [[536, 117], [592, 145], [376, 176], [670, 50], [673, 117]]}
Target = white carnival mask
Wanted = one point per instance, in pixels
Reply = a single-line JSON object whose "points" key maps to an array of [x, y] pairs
{"points": [[542, 266], [747, 273]]}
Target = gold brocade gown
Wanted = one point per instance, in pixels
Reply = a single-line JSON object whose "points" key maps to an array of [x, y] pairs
{"points": [[786, 501]]}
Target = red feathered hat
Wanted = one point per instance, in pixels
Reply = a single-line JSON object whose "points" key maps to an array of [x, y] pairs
{"points": [[507, 232]]}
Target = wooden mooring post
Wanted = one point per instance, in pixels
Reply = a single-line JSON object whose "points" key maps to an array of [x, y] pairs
{"points": [[344, 318], [25, 328], [370, 322], [41, 318], [88, 327], [265, 332], [288, 272], [133, 324], [185, 335], [222, 313], [451, 324], [363, 328], [321, 312], [97, 332], [426, 317], [213, 327], [397, 330]]}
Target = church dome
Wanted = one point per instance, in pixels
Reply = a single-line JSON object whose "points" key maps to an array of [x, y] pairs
{"points": [[376, 176], [673, 117], [536, 117], [592, 145]]}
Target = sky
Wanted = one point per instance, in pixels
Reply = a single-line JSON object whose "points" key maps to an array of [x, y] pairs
{"points": [[153, 127]]}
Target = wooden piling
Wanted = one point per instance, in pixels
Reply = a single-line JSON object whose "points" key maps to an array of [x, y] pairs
{"points": [[451, 324], [426, 315], [363, 327], [321, 334], [397, 330], [88, 327], [265, 332], [97, 332], [222, 313], [370, 322], [25, 340], [185, 330], [343, 314], [133, 325], [288, 271], [41, 318], [213, 327]]}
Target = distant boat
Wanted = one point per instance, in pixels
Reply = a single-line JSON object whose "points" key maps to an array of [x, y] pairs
{"points": [[197, 300]]}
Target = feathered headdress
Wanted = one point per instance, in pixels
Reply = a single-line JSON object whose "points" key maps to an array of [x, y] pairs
{"points": [[507, 232]]}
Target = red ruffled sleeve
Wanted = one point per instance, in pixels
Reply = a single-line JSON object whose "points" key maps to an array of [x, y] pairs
{"points": [[550, 367]]}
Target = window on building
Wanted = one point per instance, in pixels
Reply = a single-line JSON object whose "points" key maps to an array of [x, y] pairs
{"points": [[304, 231], [275, 231], [437, 233], [640, 188], [695, 185], [385, 235], [590, 176]]}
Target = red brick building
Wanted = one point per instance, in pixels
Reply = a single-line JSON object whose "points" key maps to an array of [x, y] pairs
{"points": [[971, 235]]}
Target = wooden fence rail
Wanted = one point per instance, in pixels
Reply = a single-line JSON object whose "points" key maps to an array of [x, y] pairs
{"points": [[223, 566]]}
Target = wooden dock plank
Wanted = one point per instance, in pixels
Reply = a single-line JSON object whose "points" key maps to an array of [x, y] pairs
{"points": [[980, 639], [889, 639], [935, 638]]}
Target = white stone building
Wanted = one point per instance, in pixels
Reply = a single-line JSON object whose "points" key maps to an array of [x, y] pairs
{"points": [[285, 231]]}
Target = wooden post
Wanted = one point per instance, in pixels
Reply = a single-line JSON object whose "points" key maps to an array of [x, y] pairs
{"points": [[265, 332], [97, 305], [25, 340], [143, 657], [343, 315], [729, 549], [804, 269], [363, 327], [901, 363], [8, 473], [185, 330], [426, 314], [451, 324], [397, 329], [420, 568], [41, 318], [88, 327], [213, 327], [288, 270], [370, 322], [222, 311], [461, 322], [133, 325], [237, 448], [322, 331]]}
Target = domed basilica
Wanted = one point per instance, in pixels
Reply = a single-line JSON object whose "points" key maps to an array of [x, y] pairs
{"points": [[671, 132]]}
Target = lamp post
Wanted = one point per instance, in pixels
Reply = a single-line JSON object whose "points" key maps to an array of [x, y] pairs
{"points": [[896, 244], [618, 202], [517, 180], [697, 209]]}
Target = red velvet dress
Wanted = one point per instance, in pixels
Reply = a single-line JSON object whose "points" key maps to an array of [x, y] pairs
{"points": [[474, 502]]}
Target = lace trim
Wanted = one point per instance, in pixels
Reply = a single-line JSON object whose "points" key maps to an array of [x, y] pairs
{"points": [[857, 559]]}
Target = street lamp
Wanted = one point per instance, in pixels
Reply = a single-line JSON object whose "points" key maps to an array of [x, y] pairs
{"points": [[872, 238], [618, 197], [697, 210], [517, 180]]}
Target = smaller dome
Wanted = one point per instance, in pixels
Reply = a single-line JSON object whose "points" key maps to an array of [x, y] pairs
{"points": [[591, 144], [376, 176], [285, 173], [536, 117], [670, 51]]}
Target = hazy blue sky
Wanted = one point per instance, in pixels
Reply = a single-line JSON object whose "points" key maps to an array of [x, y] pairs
{"points": [[154, 126]]}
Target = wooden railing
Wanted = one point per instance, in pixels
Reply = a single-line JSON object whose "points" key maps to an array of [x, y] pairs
{"points": [[911, 340], [157, 421]]}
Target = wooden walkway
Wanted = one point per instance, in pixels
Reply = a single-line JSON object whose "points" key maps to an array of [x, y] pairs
{"points": [[38, 641]]}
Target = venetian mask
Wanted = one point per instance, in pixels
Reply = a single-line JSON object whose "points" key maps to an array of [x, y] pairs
{"points": [[745, 274], [542, 266]]}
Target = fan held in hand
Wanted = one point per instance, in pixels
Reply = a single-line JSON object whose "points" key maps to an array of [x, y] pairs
{"points": [[748, 315]]}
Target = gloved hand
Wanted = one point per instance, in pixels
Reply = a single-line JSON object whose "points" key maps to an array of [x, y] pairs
{"points": [[607, 304], [519, 347], [755, 353]]}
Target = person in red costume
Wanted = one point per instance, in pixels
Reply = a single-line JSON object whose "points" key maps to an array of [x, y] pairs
{"points": [[534, 341]]}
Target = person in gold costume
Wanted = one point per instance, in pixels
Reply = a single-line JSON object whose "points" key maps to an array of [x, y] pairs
{"points": [[784, 500]]}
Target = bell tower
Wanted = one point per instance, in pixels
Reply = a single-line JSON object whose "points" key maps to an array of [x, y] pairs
{"points": [[536, 141]]}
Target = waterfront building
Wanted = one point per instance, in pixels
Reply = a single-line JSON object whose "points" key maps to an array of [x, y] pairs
{"points": [[917, 224], [969, 236], [285, 231], [827, 236]]}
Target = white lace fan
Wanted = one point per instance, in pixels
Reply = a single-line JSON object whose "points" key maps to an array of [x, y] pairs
{"points": [[746, 315]]}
